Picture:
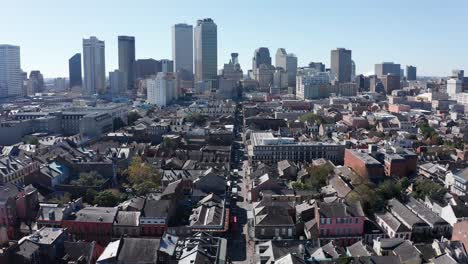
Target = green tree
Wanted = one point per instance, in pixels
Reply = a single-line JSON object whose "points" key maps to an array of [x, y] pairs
{"points": [[311, 117], [423, 188], [33, 140], [143, 178], [106, 198], [92, 178], [89, 196], [118, 123], [132, 118], [196, 118], [145, 188]]}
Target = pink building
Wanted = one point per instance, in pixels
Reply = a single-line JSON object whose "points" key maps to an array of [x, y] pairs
{"points": [[339, 221], [16, 204]]}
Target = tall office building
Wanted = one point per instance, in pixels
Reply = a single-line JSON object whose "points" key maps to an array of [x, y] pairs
{"points": [[318, 66], [410, 73], [167, 65], [390, 82], [206, 50], [147, 67], [35, 83], [94, 66], [289, 63], [118, 83], [353, 70], [459, 74], [127, 59], [11, 83], [261, 56], [74, 70], [384, 68], [182, 47], [341, 64], [454, 87]]}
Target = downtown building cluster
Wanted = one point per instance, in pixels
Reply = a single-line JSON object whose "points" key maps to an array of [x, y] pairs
{"points": [[178, 161]]}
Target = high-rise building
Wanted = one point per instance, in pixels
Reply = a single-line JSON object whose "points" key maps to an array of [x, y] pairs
{"points": [[312, 84], [35, 83], [289, 63], [94, 66], [206, 50], [118, 82], [232, 70], [11, 83], [384, 68], [341, 64], [353, 70], [454, 87], [127, 59], [147, 67], [182, 47], [318, 66], [410, 73], [161, 88], [167, 65], [459, 74], [261, 56], [60, 84], [390, 82], [74, 70]]}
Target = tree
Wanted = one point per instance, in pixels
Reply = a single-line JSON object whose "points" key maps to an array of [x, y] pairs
{"points": [[142, 176], [92, 178], [311, 117], [132, 118], [33, 140], [196, 118], [145, 188], [317, 178], [89, 196], [118, 123], [106, 198], [423, 188]]}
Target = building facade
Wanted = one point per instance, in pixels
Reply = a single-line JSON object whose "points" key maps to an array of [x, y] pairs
{"points": [[74, 71], [410, 73], [127, 59], [384, 68], [161, 89], [10, 71], [182, 47], [118, 83], [341, 64], [94, 66], [289, 63], [206, 50]]}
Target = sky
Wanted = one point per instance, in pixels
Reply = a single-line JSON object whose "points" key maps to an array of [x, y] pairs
{"points": [[430, 34]]}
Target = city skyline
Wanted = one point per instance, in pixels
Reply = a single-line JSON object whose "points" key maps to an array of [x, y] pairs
{"points": [[409, 40]]}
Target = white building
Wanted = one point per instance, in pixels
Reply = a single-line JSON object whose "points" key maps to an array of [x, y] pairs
{"points": [[94, 66], [161, 89], [454, 87], [118, 82], [312, 85], [289, 63], [182, 47], [60, 84], [11, 83]]}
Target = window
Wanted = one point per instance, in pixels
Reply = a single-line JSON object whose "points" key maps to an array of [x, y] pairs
{"points": [[357, 220], [329, 221], [262, 231]]}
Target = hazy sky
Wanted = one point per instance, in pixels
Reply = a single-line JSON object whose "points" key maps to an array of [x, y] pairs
{"points": [[430, 34]]}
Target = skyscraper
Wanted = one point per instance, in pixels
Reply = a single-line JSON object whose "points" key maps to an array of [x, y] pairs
{"points": [[11, 83], [289, 63], [384, 68], [261, 56], [167, 65], [74, 70], [147, 67], [341, 64], [206, 50], [182, 47], [35, 83], [410, 73], [118, 83], [127, 59], [94, 66], [459, 74]]}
